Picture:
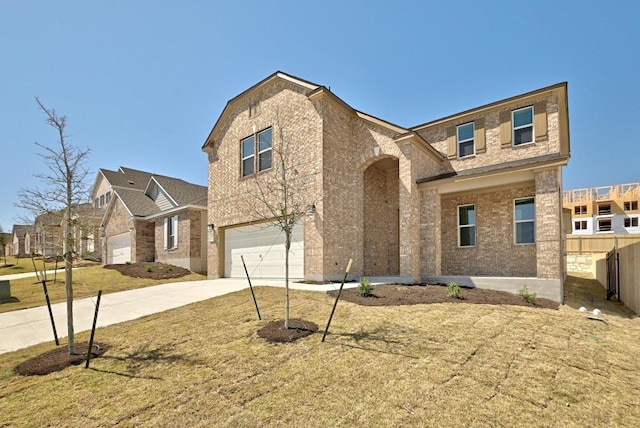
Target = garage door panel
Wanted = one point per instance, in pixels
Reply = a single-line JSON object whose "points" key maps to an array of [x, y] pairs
{"points": [[119, 248], [263, 251]]}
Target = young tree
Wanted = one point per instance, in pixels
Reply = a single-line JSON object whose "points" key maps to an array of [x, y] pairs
{"points": [[283, 196], [65, 188]]}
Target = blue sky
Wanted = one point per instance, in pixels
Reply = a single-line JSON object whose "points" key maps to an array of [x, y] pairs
{"points": [[142, 82]]}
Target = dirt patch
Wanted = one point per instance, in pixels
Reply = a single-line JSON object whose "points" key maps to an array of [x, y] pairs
{"points": [[151, 270], [298, 328], [395, 294], [59, 359]]}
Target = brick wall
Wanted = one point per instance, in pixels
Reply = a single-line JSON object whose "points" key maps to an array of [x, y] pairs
{"points": [[494, 237], [381, 253], [495, 154]]}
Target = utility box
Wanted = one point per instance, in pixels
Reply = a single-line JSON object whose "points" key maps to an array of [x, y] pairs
{"points": [[5, 290]]}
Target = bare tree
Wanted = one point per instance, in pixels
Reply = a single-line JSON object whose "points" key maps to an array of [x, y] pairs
{"points": [[283, 196], [65, 188]]}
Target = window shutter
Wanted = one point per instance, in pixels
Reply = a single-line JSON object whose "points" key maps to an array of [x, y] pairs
{"points": [[174, 220], [452, 143], [505, 129], [540, 121], [165, 233], [479, 138]]}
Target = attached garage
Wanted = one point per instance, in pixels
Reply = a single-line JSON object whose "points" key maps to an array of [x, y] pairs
{"points": [[119, 248], [263, 248]]}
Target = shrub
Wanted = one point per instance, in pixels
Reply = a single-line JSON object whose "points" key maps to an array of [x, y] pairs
{"points": [[148, 268], [365, 288], [453, 290], [526, 295]]}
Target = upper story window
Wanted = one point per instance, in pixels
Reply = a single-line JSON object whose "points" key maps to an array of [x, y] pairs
{"points": [[102, 201], [107, 197], [604, 209], [631, 222], [524, 221], [522, 126], [631, 206], [580, 209], [466, 145], [467, 226], [260, 143]]}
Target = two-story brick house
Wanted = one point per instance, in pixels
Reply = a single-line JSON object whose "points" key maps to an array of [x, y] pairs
{"points": [[474, 197]]}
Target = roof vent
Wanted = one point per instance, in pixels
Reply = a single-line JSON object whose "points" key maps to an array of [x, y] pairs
{"points": [[131, 182]]}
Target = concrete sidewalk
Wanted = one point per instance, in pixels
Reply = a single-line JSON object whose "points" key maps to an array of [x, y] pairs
{"points": [[49, 274], [27, 327]]}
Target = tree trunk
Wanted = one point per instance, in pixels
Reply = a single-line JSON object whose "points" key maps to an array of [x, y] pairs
{"points": [[286, 278], [68, 279]]}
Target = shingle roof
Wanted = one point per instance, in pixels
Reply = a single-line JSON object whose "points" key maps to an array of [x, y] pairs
{"points": [[182, 192], [137, 202], [127, 178]]}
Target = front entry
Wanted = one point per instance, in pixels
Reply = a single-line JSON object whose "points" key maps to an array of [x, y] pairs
{"points": [[381, 218]]}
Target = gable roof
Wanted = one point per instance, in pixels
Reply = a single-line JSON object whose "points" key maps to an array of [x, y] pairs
{"points": [[268, 80], [137, 202], [180, 191], [20, 230]]}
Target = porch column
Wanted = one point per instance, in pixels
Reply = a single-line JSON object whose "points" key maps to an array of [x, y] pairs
{"points": [[548, 216], [430, 233], [409, 203]]}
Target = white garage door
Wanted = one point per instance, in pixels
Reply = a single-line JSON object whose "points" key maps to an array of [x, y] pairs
{"points": [[263, 251], [119, 249]]}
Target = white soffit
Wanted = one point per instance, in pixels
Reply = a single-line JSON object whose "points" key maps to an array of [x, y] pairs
{"points": [[470, 183]]}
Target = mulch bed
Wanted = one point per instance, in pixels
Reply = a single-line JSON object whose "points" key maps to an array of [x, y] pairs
{"points": [[58, 359], [395, 294], [152, 270], [298, 328]]}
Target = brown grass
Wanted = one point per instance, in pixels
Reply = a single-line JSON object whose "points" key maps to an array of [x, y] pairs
{"points": [[424, 365], [28, 293]]}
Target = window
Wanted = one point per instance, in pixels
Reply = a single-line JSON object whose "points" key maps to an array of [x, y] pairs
{"points": [[102, 200], [107, 198], [524, 215], [580, 209], [604, 225], [465, 140], [580, 225], [631, 222], [604, 209], [631, 206], [171, 232], [249, 149], [466, 226], [522, 126]]}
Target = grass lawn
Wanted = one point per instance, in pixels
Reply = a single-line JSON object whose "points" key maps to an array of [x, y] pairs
{"points": [[426, 365], [28, 293], [25, 264]]}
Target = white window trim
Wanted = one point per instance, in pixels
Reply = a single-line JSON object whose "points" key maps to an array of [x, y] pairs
{"points": [[516, 222], [270, 149], [472, 139], [475, 237], [514, 128], [252, 155], [174, 230], [255, 154]]}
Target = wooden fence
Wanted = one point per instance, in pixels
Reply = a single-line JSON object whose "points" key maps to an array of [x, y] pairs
{"points": [[579, 244]]}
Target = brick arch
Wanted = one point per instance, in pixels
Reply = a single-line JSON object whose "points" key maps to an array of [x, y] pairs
{"points": [[365, 163], [381, 244]]}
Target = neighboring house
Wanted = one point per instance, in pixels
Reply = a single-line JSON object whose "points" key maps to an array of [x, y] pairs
{"points": [[48, 236], [604, 210], [165, 221], [7, 246], [21, 240], [105, 184], [474, 197], [86, 229]]}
